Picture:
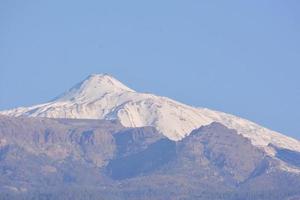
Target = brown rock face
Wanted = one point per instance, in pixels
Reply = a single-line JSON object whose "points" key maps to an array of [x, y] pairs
{"points": [[233, 156], [82, 159], [89, 140]]}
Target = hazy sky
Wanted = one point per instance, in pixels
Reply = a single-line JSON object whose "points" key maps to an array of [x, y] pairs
{"points": [[241, 57]]}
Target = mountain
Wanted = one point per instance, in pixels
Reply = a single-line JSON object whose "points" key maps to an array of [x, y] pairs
{"points": [[100, 96], [42, 158], [103, 140]]}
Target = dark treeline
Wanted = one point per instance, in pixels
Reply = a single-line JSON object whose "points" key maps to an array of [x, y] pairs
{"points": [[95, 194]]}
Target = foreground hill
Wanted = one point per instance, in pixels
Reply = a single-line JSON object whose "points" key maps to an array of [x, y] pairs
{"points": [[44, 158]]}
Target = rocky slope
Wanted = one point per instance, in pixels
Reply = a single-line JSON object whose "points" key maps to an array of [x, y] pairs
{"points": [[90, 159]]}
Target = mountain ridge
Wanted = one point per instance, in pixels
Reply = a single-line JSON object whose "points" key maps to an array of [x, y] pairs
{"points": [[43, 158], [101, 96]]}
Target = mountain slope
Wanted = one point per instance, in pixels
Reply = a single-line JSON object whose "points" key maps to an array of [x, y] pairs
{"points": [[54, 158], [101, 96]]}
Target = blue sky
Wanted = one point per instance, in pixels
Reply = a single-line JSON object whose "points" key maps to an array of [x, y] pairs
{"points": [[241, 57]]}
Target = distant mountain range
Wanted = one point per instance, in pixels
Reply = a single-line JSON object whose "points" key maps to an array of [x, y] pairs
{"points": [[103, 140]]}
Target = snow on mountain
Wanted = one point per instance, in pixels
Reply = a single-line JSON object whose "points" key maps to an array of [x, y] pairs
{"points": [[101, 96]]}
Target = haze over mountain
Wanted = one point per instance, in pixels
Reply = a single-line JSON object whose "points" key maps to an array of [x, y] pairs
{"points": [[103, 138]]}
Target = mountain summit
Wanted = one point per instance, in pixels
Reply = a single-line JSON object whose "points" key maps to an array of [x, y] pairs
{"points": [[101, 96], [94, 87]]}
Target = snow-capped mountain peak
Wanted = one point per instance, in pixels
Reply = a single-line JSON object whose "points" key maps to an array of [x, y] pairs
{"points": [[94, 87], [101, 96]]}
